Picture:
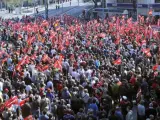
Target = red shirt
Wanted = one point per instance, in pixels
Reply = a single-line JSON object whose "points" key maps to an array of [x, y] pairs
{"points": [[154, 85], [133, 80]]}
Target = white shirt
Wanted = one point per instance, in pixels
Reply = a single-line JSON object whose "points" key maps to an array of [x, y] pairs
{"points": [[141, 110], [34, 74], [49, 84], [53, 51], [25, 74], [65, 65], [28, 88], [89, 72], [1, 86], [76, 75], [70, 70], [47, 72], [85, 97], [31, 67], [81, 71], [129, 115]]}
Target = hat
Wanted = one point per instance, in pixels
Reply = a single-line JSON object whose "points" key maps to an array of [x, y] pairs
{"points": [[116, 80], [117, 107], [134, 101], [124, 97], [150, 105], [6, 90], [68, 106]]}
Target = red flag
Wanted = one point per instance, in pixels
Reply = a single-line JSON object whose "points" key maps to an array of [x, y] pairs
{"points": [[18, 67], [102, 35], [147, 52], [9, 103], [30, 117], [4, 60], [155, 67], [67, 43], [118, 39], [30, 40], [146, 32], [58, 65], [45, 58], [23, 102], [35, 28], [29, 28], [33, 57], [72, 57], [23, 61], [143, 42], [3, 44], [60, 47], [45, 23], [88, 43], [45, 67], [118, 52], [19, 37], [117, 62]]}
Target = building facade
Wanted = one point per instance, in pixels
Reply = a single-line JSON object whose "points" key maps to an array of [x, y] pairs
{"points": [[142, 6]]}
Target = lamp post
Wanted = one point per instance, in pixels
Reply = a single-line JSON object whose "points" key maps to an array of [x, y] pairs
{"points": [[1, 4], [103, 6], [46, 9], [34, 7], [62, 5]]}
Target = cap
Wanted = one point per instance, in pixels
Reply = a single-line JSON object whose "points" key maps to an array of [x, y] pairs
{"points": [[124, 97], [6, 90]]}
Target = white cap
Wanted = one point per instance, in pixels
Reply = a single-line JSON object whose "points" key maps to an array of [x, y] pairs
{"points": [[124, 97]]}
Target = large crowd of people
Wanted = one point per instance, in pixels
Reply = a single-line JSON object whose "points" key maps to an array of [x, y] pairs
{"points": [[65, 69]]}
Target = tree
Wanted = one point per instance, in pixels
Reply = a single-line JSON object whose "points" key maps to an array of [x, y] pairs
{"points": [[13, 2], [29, 1], [95, 3]]}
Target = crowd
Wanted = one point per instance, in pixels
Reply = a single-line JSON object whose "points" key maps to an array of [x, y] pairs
{"points": [[65, 69]]}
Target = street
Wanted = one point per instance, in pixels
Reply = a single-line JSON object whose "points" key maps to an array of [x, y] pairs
{"points": [[74, 9]]}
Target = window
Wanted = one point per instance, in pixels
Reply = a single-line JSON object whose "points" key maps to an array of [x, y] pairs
{"points": [[124, 1], [157, 1], [119, 1], [156, 10], [127, 1]]}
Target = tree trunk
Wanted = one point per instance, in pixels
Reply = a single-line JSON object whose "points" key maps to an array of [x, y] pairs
{"points": [[95, 4], [6, 5]]}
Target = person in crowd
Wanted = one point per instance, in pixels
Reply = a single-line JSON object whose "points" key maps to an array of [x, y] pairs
{"points": [[101, 69]]}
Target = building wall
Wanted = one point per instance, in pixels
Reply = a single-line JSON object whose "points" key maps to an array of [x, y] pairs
{"points": [[143, 7], [111, 1], [138, 1]]}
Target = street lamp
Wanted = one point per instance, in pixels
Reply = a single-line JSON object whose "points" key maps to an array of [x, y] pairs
{"points": [[46, 9], [103, 6], [62, 5], [34, 7]]}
